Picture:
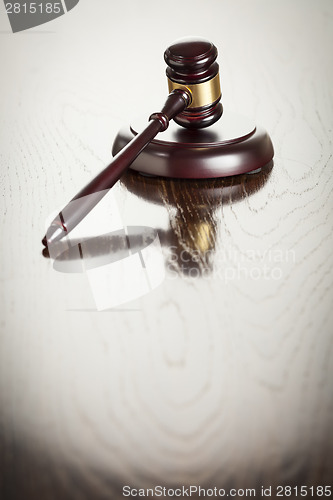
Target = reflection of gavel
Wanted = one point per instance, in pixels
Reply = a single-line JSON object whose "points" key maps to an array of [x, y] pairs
{"points": [[194, 103], [191, 237], [195, 206]]}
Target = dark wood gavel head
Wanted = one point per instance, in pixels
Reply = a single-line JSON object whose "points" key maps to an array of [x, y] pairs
{"points": [[192, 66]]}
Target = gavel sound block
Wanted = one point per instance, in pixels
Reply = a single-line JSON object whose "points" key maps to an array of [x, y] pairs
{"points": [[210, 143]]}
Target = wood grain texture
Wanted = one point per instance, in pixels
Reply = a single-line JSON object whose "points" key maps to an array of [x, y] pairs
{"points": [[221, 376]]}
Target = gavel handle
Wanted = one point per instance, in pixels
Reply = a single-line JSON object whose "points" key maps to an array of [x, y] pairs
{"points": [[93, 192]]}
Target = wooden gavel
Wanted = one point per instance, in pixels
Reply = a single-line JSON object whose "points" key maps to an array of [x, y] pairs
{"points": [[194, 103], [193, 77]]}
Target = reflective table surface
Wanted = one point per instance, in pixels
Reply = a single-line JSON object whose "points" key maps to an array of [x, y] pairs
{"points": [[182, 337]]}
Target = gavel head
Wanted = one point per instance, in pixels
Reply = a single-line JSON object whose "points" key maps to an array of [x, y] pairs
{"points": [[192, 66]]}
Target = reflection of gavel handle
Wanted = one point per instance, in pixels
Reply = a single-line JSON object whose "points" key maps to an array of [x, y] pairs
{"points": [[73, 213]]}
